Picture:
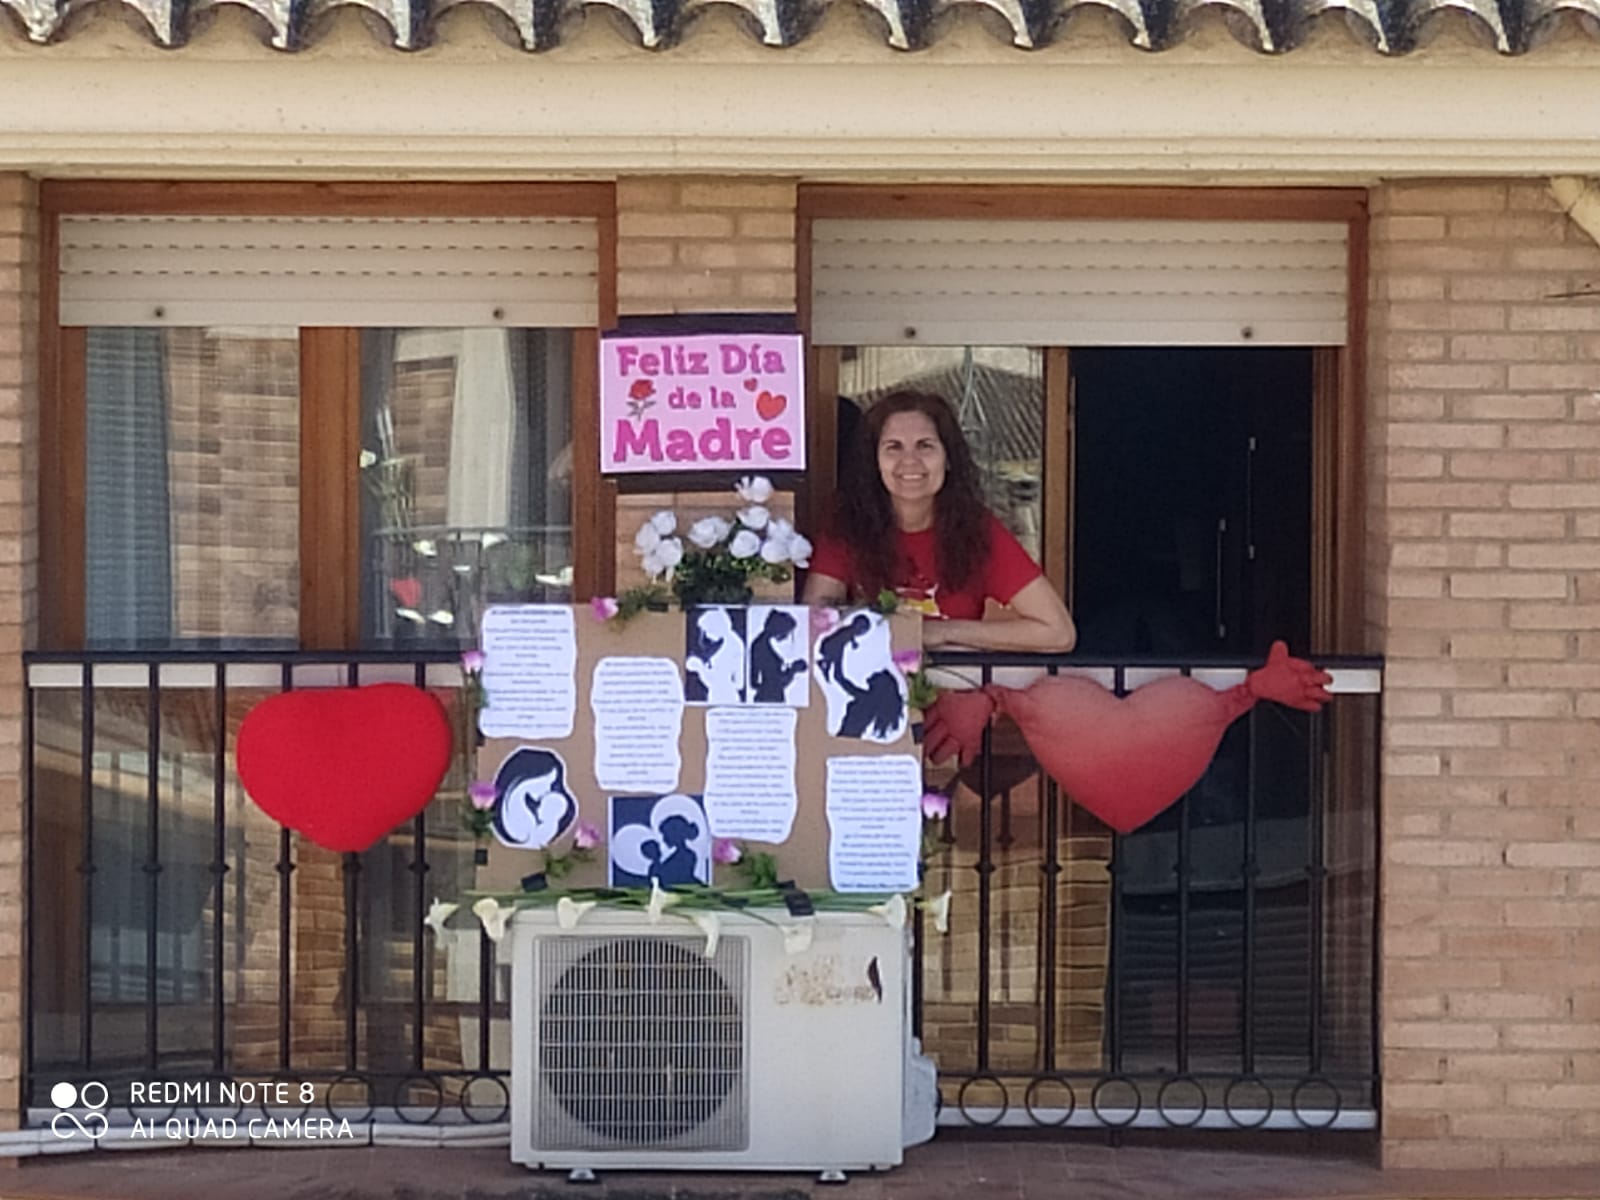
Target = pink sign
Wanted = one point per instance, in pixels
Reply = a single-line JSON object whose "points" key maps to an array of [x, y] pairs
{"points": [[702, 402]]}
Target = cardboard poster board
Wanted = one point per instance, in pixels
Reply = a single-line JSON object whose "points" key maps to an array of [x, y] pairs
{"points": [[718, 691]]}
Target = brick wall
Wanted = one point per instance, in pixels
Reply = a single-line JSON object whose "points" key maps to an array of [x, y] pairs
{"points": [[19, 435], [1484, 487]]}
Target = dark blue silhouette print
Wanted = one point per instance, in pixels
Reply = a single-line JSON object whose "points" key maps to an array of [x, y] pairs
{"points": [[770, 673]]}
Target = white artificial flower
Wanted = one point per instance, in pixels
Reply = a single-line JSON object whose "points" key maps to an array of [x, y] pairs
{"points": [[754, 489], [438, 913], [754, 517], [665, 522], [797, 937], [708, 531], [652, 564], [660, 901], [670, 552], [800, 550], [647, 539], [426, 547], [745, 544], [711, 926], [775, 550], [494, 916], [368, 458], [779, 528], [892, 910], [569, 911]]}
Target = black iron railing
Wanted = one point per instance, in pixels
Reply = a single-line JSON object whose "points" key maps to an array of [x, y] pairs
{"points": [[1214, 969]]}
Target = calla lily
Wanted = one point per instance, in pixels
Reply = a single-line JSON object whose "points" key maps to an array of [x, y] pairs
{"points": [[892, 910], [754, 489], [438, 913], [711, 926], [797, 937], [494, 916], [569, 911], [660, 901], [586, 836], [472, 661], [603, 607], [426, 547], [939, 908], [442, 616]]}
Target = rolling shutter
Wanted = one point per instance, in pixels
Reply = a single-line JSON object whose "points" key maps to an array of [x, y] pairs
{"points": [[384, 272], [1079, 283]]}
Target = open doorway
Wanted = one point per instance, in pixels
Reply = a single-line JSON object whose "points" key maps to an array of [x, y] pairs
{"points": [[1192, 500]]}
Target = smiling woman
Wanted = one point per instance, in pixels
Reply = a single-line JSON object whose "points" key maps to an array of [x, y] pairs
{"points": [[911, 519]]}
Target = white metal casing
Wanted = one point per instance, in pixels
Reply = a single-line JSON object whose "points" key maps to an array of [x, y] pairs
{"points": [[823, 1045]]}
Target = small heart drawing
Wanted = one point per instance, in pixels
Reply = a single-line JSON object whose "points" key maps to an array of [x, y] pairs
{"points": [[344, 766], [769, 406], [642, 389], [750, 384]]}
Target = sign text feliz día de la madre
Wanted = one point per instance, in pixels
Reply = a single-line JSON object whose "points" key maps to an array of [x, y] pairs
{"points": [[702, 402]]}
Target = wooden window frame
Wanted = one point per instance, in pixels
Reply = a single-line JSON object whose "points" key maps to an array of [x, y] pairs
{"points": [[330, 551], [1339, 372]]}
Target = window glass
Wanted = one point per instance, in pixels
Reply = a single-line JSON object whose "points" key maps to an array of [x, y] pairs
{"points": [[466, 468], [193, 499]]}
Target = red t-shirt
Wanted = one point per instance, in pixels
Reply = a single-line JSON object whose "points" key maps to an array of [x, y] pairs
{"points": [[1006, 571]]}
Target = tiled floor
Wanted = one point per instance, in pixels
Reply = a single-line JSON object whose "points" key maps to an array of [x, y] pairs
{"points": [[952, 1167]]}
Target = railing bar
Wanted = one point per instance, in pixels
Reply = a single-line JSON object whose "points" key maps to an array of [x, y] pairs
{"points": [[350, 869], [1052, 919], [1317, 880], [917, 934], [86, 864], [1183, 866], [219, 866], [1250, 869], [419, 869], [485, 995], [985, 868], [1375, 1030], [152, 862], [29, 782], [285, 915]]}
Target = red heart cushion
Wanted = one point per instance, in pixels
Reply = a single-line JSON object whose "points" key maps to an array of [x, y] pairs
{"points": [[1124, 760], [344, 766]]}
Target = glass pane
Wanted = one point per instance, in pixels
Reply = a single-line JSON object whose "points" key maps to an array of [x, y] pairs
{"points": [[998, 395], [466, 465], [193, 505]]}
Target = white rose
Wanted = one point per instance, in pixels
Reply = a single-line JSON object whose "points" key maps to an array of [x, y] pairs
{"points": [[779, 528], [665, 522], [754, 517], [775, 550], [647, 539], [754, 489], [708, 531], [670, 552], [745, 544], [800, 550]]}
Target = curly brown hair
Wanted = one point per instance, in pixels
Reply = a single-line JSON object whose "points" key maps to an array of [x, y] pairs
{"points": [[864, 514]]}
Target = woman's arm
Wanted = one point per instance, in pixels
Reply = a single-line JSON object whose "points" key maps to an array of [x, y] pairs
{"points": [[1039, 621], [824, 589]]}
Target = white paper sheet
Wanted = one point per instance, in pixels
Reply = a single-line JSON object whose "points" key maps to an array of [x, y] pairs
{"points": [[530, 667], [778, 667], [750, 790], [863, 689], [638, 718], [874, 823]]}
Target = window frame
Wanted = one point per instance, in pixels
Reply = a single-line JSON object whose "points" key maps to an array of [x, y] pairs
{"points": [[330, 387]]}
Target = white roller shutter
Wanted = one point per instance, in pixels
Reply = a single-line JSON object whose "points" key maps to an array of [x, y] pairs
{"points": [[1079, 283], [393, 272]]}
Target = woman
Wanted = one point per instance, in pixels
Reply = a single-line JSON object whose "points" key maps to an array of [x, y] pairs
{"points": [[911, 518], [533, 807]]}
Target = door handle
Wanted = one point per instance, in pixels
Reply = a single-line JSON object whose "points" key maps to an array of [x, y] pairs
{"points": [[1222, 625]]}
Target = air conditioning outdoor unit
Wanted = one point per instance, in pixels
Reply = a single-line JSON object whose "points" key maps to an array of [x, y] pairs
{"points": [[633, 1049]]}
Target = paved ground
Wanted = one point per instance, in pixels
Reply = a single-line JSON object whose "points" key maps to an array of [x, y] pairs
{"points": [[952, 1167]]}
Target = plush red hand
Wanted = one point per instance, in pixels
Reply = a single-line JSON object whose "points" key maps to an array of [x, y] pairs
{"points": [[1290, 681], [953, 727]]}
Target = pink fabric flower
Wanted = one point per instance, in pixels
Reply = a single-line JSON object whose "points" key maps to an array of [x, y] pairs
{"points": [[935, 806], [481, 793], [472, 661], [603, 607], [823, 620], [908, 661], [586, 836], [726, 851]]}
